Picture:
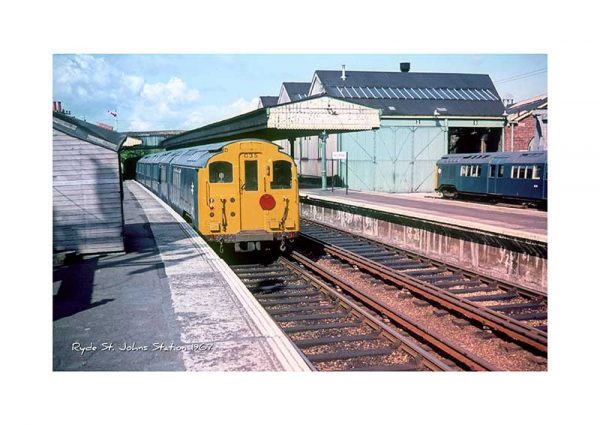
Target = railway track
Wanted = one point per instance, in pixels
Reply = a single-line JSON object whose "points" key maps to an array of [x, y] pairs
{"points": [[516, 312], [333, 332]]}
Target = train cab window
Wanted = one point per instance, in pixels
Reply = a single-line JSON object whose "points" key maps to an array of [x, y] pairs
{"points": [[251, 175], [282, 175], [220, 172]]}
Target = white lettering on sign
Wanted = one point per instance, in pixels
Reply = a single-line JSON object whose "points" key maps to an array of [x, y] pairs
{"points": [[339, 155]]}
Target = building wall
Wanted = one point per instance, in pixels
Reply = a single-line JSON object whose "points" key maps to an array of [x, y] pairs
{"points": [[524, 131], [86, 197]]}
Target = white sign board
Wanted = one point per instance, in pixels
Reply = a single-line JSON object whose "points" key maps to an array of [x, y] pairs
{"points": [[339, 155]]}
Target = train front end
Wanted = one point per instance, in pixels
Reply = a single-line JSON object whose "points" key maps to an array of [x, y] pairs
{"points": [[250, 197]]}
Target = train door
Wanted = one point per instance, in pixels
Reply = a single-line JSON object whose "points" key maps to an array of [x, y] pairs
{"points": [[495, 172], [223, 196], [250, 164]]}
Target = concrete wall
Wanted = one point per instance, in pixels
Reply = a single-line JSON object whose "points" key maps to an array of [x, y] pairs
{"points": [[511, 260]]}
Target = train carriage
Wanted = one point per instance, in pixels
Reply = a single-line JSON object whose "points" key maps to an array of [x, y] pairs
{"points": [[241, 193], [520, 176]]}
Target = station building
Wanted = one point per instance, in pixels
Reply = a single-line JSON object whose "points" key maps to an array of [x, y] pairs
{"points": [[86, 186], [423, 116], [527, 125]]}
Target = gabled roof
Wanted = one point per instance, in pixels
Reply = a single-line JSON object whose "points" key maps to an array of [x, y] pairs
{"points": [[414, 93], [519, 110], [92, 133], [267, 101], [296, 91]]}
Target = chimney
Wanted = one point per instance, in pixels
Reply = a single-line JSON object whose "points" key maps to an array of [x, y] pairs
{"points": [[404, 66], [343, 77]]}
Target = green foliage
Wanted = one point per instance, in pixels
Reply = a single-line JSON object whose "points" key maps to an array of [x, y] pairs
{"points": [[136, 152]]}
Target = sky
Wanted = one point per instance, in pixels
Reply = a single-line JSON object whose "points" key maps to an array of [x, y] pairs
{"points": [[185, 91]]}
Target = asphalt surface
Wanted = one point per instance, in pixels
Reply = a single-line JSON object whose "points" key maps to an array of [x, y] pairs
{"points": [[113, 312]]}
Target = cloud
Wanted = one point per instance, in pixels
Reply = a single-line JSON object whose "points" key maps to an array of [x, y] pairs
{"points": [[85, 78], [89, 85], [173, 92], [207, 114]]}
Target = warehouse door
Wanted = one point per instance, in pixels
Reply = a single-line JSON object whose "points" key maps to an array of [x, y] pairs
{"points": [[394, 159]]}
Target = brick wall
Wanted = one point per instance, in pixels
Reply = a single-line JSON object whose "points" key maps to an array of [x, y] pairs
{"points": [[523, 133]]}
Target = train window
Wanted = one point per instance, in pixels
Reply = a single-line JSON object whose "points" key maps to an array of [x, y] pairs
{"points": [[521, 173], [220, 172], [251, 175], [492, 171], [529, 172], [282, 175], [501, 171], [536, 172], [513, 172], [463, 170]]}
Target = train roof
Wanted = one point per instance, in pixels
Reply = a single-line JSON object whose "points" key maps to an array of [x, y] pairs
{"points": [[505, 157], [195, 157]]}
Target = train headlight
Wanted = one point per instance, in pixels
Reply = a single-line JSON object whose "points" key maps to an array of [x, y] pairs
{"points": [[267, 202]]}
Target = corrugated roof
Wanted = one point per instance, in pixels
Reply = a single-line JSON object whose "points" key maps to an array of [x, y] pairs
{"points": [[194, 157], [486, 157], [416, 93], [88, 132], [297, 91]]}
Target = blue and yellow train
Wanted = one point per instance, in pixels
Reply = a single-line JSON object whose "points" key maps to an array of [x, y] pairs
{"points": [[242, 194], [510, 176]]}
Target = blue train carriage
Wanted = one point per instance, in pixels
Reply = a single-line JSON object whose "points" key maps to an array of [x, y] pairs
{"points": [[506, 176]]}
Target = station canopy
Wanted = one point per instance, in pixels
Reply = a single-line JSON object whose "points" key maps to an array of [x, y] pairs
{"points": [[308, 117]]}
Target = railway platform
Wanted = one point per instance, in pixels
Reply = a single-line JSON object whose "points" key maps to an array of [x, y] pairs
{"points": [[168, 303], [504, 242]]}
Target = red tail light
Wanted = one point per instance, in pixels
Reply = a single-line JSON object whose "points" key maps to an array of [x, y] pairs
{"points": [[267, 202]]}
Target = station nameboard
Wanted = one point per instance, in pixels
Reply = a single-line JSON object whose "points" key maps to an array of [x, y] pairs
{"points": [[339, 155]]}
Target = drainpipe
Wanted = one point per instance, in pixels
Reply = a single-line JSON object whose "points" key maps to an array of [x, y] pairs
{"points": [[512, 136]]}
